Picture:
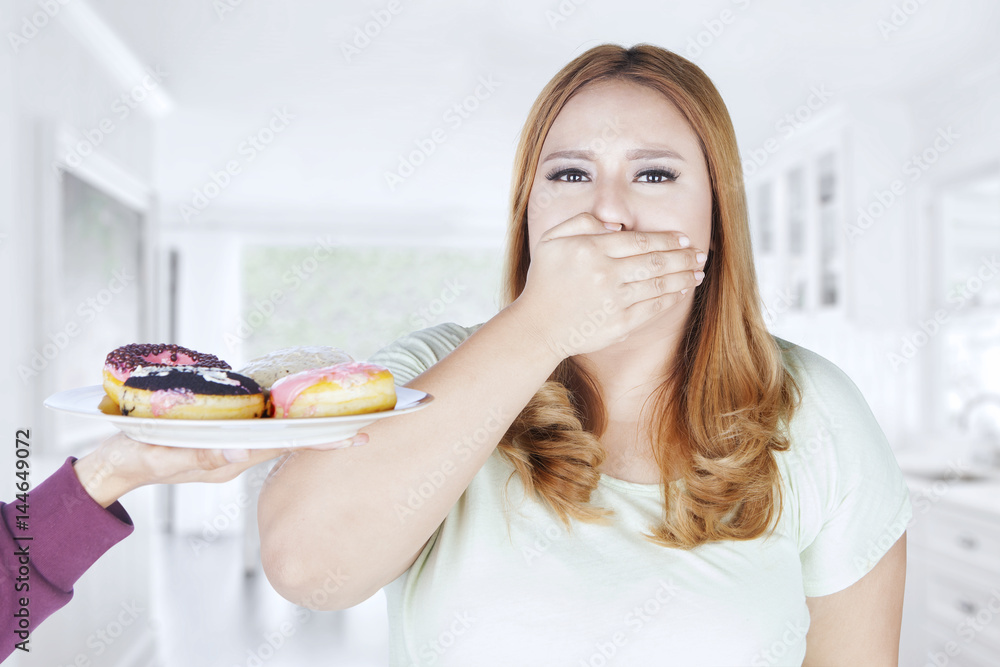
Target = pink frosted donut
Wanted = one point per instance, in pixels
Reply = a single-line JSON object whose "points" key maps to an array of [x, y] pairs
{"points": [[120, 363], [350, 388]]}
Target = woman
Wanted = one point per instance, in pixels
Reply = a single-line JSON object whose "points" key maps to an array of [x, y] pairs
{"points": [[622, 465]]}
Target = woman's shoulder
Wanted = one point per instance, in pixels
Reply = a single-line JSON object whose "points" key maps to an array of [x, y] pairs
{"points": [[835, 440], [826, 390], [810, 365], [834, 437], [848, 499]]}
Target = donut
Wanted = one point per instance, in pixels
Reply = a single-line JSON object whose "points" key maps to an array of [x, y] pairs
{"points": [[271, 367], [191, 392], [350, 388], [120, 363]]}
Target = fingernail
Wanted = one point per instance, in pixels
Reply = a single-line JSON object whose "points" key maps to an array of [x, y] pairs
{"points": [[698, 275], [236, 455], [613, 226], [360, 439], [684, 291], [684, 241], [701, 257]]}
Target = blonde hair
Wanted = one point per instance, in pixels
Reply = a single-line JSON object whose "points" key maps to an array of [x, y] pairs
{"points": [[717, 417]]}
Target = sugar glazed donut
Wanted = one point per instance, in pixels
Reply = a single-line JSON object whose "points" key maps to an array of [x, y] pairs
{"points": [[191, 392], [120, 363], [271, 367], [342, 389]]}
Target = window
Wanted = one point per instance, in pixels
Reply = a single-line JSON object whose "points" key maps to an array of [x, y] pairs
{"points": [[361, 298]]}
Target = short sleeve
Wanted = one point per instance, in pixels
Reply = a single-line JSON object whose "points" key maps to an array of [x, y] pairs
{"points": [[410, 355], [854, 503]]}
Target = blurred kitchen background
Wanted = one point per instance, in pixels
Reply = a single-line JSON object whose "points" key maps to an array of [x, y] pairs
{"points": [[241, 175]]}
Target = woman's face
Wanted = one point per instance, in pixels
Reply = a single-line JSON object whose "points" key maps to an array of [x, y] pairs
{"points": [[623, 153]]}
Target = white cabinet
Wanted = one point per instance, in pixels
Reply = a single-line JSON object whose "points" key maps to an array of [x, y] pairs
{"points": [[796, 204], [831, 221], [952, 606]]}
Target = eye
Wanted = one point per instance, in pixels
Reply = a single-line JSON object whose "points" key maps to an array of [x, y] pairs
{"points": [[569, 175], [657, 175]]}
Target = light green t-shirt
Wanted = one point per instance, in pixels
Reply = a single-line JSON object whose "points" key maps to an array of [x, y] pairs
{"points": [[488, 592]]}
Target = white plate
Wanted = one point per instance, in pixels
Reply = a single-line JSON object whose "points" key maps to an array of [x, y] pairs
{"points": [[232, 433]]}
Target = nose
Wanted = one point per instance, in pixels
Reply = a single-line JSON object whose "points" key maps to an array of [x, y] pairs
{"points": [[610, 202]]}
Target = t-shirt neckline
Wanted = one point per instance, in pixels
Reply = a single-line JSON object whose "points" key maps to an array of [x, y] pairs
{"points": [[634, 487]]}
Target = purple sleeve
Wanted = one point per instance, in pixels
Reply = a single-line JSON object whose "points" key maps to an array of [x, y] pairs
{"points": [[69, 532]]}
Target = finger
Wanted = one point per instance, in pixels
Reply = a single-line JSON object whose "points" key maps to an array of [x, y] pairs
{"points": [[213, 459], [643, 311], [359, 439], [658, 263], [234, 460], [644, 290], [581, 223], [625, 243]]}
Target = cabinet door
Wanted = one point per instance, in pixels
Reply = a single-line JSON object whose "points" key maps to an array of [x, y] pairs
{"points": [[798, 219]]}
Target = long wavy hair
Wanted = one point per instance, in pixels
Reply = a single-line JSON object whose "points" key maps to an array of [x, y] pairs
{"points": [[723, 409]]}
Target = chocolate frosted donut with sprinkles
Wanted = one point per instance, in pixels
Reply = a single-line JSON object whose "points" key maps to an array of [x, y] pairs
{"points": [[121, 362], [191, 392]]}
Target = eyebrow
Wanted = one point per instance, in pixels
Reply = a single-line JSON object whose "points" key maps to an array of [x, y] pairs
{"points": [[634, 154]]}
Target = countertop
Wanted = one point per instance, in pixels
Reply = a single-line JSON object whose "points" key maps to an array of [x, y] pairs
{"points": [[965, 486]]}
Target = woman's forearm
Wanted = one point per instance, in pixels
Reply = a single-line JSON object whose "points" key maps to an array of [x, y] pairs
{"points": [[356, 516]]}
